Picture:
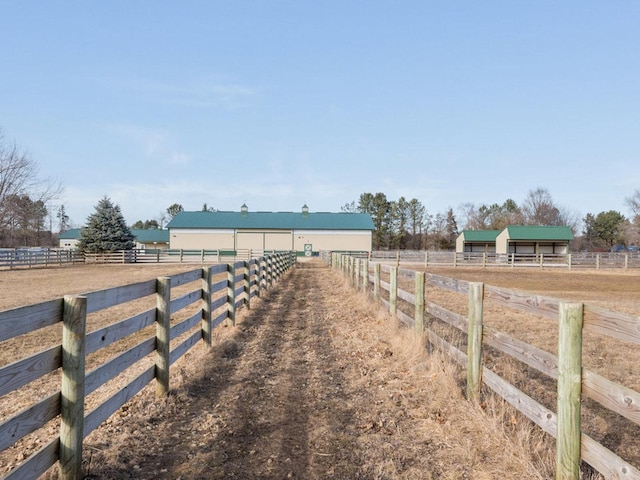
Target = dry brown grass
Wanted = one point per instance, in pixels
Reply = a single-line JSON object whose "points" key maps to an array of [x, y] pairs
{"points": [[314, 382]]}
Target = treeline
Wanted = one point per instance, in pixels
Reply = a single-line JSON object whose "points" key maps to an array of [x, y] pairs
{"points": [[406, 224], [28, 218]]}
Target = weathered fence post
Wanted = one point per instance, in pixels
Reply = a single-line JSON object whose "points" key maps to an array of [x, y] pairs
{"points": [[376, 281], [206, 305], [355, 280], [268, 271], [569, 260], [259, 276], [365, 275], [231, 295], [246, 280], [569, 390], [474, 341], [597, 261], [163, 323], [426, 258], [393, 291], [419, 313], [455, 259], [72, 389]]}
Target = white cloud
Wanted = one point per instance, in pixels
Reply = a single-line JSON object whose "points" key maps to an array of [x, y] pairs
{"points": [[190, 93], [157, 145]]}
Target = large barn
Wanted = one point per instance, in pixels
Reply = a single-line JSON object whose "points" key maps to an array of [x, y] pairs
{"points": [[304, 232]]}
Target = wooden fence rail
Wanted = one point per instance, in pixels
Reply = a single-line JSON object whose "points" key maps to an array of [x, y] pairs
{"points": [[572, 379], [45, 257], [576, 260], [245, 279]]}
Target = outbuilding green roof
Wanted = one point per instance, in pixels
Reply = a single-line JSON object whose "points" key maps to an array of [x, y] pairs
{"points": [[71, 234], [149, 235], [272, 221], [142, 235], [532, 232], [480, 235]]}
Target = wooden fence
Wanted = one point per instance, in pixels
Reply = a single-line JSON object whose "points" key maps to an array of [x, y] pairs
{"points": [[566, 369], [37, 257], [43, 257], [624, 260], [219, 291]]}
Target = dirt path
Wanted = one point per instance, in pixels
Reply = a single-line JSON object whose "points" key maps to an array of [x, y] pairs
{"points": [[312, 383]]}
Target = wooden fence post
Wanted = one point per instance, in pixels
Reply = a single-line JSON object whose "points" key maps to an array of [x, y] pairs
{"points": [[258, 264], [206, 305], [426, 258], [474, 341], [72, 389], [376, 281], [419, 312], [569, 390], [246, 279], [267, 272], [393, 291], [356, 274], [231, 295], [163, 323], [365, 275]]}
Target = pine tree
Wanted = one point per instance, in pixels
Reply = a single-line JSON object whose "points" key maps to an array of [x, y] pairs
{"points": [[106, 230]]}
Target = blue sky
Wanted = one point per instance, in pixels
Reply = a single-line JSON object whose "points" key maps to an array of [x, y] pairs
{"points": [[281, 103]]}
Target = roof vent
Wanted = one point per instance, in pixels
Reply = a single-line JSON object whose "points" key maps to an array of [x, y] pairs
{"points": [[305, 210], [244, 209]]}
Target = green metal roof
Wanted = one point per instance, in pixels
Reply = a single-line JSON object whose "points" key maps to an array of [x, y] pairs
{"points": [[532, 232], [273, 221], [142, 235], [71, 234], [480, 235], [151, 235]]}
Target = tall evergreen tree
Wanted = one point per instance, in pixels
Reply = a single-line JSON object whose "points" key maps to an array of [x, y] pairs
{"points": [[380, 210], [106, 230], [417, 218], [606, 228]]}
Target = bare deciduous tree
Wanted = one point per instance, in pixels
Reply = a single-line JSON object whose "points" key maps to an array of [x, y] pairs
{"points": [[19, 180]]}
